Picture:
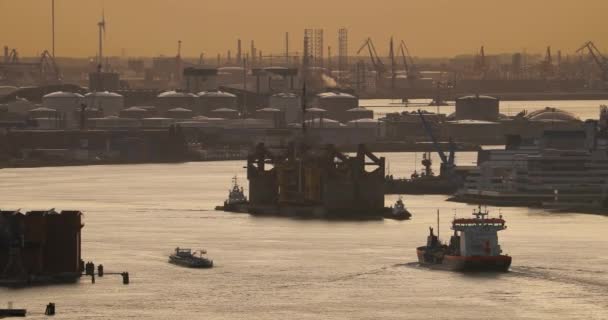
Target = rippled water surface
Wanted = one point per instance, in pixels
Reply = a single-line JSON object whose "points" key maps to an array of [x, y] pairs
{"points": [[278, 268]]}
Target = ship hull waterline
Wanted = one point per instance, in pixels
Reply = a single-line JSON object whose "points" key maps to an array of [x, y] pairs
{"points": [[467, 263]]}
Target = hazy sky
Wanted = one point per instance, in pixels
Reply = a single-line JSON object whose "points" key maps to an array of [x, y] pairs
{"points": [[430, 27]]}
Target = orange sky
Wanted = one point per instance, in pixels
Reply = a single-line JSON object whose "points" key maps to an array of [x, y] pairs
{"points": [[431, 27]]}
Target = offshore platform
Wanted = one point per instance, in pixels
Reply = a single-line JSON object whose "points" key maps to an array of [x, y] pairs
{"points": [[308, 181]]}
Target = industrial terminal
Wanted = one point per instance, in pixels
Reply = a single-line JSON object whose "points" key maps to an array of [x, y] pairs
{"points": [[273, 160]]}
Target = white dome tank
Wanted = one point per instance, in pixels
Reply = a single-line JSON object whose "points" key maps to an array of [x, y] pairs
{"points": [[173, 99], [290, 104], [337, 104], [212, 100], [65, 103], [109, 102]]}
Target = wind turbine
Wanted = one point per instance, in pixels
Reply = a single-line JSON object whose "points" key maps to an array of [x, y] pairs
{"points": [[102, 33]]}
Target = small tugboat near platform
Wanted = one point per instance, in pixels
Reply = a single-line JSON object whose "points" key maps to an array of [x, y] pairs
{"points": [[473, 247], [237, 201]]}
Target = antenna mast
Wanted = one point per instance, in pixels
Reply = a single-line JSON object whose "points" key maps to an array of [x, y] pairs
{"points": [[53, 26], [102, 32]]}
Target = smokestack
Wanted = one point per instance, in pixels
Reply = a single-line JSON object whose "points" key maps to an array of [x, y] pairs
{"points": [[239, 53], [252, 53], [287, 47]]}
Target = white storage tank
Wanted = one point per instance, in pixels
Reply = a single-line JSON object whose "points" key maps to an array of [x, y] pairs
{"points": [[109, 103], [363, 123], [483, 108], [65, 103], [323, 123], [113, 123], [225, 113], [135, 113], [173, 99], [250, 123], [6, 90], [179, 113], [359, 113], [337, 104], [157, 122], [290, 104], [20, 106], [212, 100], [43, 112]]}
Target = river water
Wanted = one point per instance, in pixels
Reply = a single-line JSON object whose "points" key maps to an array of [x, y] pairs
{"points": [[585, 109], [280, 268]]}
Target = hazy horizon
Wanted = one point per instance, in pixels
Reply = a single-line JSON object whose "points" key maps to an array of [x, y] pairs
{"points": [[432, 28]]}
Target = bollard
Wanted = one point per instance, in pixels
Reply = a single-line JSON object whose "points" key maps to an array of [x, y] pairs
{"points": [[89, 268], [50, 309], [93, 277], [100, 270], [125, 277]]}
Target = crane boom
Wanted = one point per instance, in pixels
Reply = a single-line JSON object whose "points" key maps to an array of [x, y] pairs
{"points": [[410, 67], [373, 55], [597, 56], [429, 131]]}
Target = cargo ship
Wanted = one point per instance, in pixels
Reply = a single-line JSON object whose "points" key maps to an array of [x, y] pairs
{"points": [[190, 259], [473, 246]]}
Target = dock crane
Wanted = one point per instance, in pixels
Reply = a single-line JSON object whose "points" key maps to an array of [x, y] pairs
{"points": [[481, 66], [408, 62], [597, 56], [447, 161], [48, 67], [546, 66], [373, 55]]}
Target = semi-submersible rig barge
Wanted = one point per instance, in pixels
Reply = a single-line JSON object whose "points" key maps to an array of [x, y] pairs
{"points": [[319, 182]]}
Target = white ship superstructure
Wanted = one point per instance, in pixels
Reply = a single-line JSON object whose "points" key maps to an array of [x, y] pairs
{"points": [[561, 169]]}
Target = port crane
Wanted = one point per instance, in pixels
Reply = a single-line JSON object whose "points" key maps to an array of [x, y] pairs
{"points": [[44, 70], [546, 66], [373, 55], [597, 56], [447, 161], [480, 66], [48, 67], [410, 67]]}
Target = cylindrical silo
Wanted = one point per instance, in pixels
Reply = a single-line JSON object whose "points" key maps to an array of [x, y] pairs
{"points": [[212, 100], [290, 104], [109, 103]]}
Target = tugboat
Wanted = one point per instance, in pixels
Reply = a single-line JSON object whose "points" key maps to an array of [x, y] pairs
{"points": [[237, 201], [187, 258], [474, 246], [399, 212]]}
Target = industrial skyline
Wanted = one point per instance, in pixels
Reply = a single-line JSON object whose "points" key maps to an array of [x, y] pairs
{"points": [[436, 28]]}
